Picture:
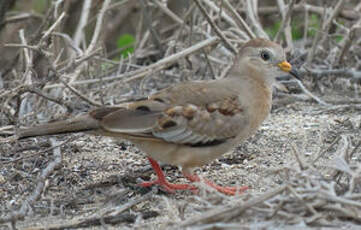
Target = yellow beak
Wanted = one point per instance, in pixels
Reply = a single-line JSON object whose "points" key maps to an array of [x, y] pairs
{"points": [[285, 66]]}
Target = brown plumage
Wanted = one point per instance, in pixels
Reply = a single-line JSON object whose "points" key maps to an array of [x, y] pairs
{"points": [[192, 123]]}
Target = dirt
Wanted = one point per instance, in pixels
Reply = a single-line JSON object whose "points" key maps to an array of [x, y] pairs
{"points": [[98, 173]]}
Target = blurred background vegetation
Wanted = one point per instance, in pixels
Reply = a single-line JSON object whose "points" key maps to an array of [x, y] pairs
{"points": [[64, 57], [119, 34]]}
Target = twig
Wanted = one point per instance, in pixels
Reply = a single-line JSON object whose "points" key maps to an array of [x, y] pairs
{"points": [[345, 107], [342, 212], [226, 43], [27, 54], [305, 26], [239, 19], [347, 41], [314, 97], [323, 34], [39, 152], [354, 150], [330, 197], [285, 24], [39, 189], [253, 17], [51, 29], [227, 213], [301, 200], [349, 14], [94, 40], [6, 130], [78, 35], [225, 16], [326, 150], [77, 63], [153, 68], [58, 101], [73, 90], [169, 13], [148, 22], [98, 26], [350, 72], [298, 157], [28, 74], [355, 177], [209, 64], [315, 42], [35, 48], [22, 16], [70, 42], [328, 22], [103, 216]]}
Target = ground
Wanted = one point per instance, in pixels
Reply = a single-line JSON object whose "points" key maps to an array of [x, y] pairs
{"points": [[97, 173], [303, 166]]}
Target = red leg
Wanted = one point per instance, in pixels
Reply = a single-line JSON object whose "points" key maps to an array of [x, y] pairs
{"points": [[226, 190], [162, 181]]}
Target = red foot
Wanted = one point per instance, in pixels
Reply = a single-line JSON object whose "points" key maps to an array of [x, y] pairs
{"points": [[169, 187], [162, 181], [226, 190]]}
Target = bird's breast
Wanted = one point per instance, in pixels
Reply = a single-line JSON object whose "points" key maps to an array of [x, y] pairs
{"points": [[258, 105]]}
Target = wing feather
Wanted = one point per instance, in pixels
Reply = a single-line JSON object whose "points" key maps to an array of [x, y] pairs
{"points": [[188, 114]]}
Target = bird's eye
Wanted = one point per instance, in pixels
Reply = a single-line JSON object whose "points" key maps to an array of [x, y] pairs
{"points": [[265, 55]]}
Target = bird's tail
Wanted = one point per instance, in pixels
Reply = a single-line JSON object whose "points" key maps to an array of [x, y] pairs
{"points": [[78, 124]]}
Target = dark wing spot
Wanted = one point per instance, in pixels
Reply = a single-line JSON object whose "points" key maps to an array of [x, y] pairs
{"points": [[158, 100], [168, 124], [208, 144], [212, 107], [102, 112], [143, 108], [189, 111]]}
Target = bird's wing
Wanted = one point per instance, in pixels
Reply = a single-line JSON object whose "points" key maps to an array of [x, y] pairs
{"points": [[190, 114]]}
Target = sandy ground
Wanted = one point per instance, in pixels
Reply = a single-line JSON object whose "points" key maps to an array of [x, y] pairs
{"points": [[97, 173]]}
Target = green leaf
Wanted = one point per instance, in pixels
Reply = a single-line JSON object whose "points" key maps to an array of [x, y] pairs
{"points": [[39, 6], [314, 25], [272, 30], [126, 42], [297, 27]]}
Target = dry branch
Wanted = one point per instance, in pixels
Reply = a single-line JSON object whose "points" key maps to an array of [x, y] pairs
{"points": [[215, 28], [153, 68], [39, 189], [107, 215], [355, 75], [239, 19], [285, 24], [316, 191], [228, 213], [254, 21], [349, 14]]}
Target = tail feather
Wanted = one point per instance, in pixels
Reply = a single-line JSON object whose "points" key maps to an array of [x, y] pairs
{"points": [[78, 124]]}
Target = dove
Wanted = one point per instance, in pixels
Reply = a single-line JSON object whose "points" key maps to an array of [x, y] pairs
{"points": [[192, 123]]}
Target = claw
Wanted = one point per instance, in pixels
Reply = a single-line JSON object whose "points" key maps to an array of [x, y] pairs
{"points": [[171, 188], [226, 190], [168, 187]]}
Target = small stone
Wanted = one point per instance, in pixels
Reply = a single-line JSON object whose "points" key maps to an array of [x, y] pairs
{"points": [[2, 179]]}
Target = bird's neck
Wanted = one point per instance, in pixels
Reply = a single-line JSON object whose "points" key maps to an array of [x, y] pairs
{"points": [[256, 94], [253, 76]]}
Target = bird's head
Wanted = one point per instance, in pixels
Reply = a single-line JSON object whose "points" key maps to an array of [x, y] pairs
{"points": [[263, 59]]}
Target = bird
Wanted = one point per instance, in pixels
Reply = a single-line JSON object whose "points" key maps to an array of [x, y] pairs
{"points": [[192, 123]]}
